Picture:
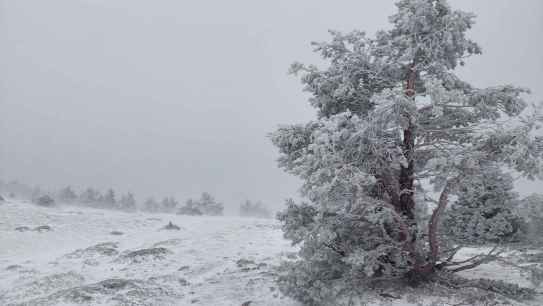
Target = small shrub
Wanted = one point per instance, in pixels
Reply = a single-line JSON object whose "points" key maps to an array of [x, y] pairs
{"points": [[45, 201]]}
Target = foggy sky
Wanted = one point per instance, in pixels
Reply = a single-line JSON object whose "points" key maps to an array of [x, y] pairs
{"points": [[176, 97]]}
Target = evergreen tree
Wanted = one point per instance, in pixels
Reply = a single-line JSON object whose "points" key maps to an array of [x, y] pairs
{"points": [[151, 205], [127, 202], [209, 206], [109, 200], [90, 197], [206, 205], [391, 113], [67, 195], [484, 210], [190, 208], [168, 204]]}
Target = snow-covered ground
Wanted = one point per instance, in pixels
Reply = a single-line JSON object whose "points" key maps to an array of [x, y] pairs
{"points": [[100, 257], [209, 261]]}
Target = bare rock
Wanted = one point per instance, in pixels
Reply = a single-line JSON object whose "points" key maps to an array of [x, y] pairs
{"points": [[42, 228], [171, 226]]}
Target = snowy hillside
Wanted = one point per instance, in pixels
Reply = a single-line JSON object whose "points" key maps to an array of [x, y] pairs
{"points": [[99, 257], [79, 256]]}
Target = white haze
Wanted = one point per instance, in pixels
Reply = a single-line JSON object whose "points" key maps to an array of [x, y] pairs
{"points": [[176, 97]]}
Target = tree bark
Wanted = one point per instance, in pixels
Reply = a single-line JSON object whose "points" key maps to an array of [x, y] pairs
{"points": [[406, 180], [434, 220]]}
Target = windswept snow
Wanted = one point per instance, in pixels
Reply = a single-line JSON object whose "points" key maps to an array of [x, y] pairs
{"points": [[98, 257], [80, 256]]}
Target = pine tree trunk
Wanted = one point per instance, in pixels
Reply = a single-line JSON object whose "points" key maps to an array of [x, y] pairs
{"points": [[407, 177], [422, 268]]}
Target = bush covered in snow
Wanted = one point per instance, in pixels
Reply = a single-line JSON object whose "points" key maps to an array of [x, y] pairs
{"points": [[190, 208], [206, 205], [45, 200]]}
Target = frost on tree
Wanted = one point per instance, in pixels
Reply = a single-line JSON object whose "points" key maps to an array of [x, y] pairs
{"points": [[127, 202], [90, 197], [151, 205], [168, 204], [485, 210], [67, 195], [109, 200], [392, 114]]}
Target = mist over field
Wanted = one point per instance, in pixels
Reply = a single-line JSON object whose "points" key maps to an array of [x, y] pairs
{"points": [[271, 153], [176, 98]]}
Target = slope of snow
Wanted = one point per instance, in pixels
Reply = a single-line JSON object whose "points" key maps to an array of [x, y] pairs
{"points": [[85, 260], [209, 261]]}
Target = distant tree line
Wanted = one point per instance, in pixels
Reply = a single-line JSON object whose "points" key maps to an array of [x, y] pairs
{"points": [[91, 197]]}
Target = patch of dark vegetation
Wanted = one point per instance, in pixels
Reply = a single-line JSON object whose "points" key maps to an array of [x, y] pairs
{"points": [[499, 287], [116, 233], [101, 249], [244, 262], [115, 291], [44, 285], [246, 265], [45, 201], [87, 293], [141, 255], [175, 241], [170, 279]]}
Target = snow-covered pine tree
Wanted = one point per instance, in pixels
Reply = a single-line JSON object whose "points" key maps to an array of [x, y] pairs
{"points": [[151, 205], [209, 206], [168, 204], [66, 195], [90, 197], [109, 200], [190, 208], [392, 113], [484, 210], [127, 202]]}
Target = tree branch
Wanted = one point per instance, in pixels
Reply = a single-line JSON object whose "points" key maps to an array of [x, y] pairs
{"points": [[484, 259], [436, 215]]}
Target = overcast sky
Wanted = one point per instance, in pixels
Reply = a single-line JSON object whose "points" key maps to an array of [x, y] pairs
{"points": [[176, 97]]}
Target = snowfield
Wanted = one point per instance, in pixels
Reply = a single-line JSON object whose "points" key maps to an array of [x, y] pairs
{"points": [[79, 256], [100, 257]]}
